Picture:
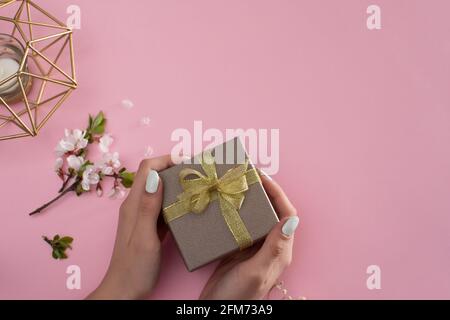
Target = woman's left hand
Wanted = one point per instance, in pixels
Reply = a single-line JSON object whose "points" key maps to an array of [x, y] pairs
{"points": [[135, 263]]}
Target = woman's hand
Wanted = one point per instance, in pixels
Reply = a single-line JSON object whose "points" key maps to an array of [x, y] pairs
{"points": [[134, 267], [252, 273]]}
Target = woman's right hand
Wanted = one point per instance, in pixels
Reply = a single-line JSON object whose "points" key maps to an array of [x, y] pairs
{"points": [[252, 273]]}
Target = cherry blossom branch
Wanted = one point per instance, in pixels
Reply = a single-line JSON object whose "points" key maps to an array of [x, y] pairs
{"points": [[72, 188], [65, 183], [78, 173]]}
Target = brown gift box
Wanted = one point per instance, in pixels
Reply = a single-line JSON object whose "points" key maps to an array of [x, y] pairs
{"points": [[205, 237]]}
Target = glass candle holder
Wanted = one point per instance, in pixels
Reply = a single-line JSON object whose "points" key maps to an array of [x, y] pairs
{"points": [[11, 55]]}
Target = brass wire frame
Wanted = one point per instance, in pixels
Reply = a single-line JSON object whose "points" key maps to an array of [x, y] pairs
{"points": [[31, 108]]}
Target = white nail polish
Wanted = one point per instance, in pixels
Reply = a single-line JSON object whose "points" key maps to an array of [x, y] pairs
{"points": [[265, 174], [152, 182], [289, 226]]}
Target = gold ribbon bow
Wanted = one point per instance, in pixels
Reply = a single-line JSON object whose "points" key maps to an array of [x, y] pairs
{"points": [[229, 190]]}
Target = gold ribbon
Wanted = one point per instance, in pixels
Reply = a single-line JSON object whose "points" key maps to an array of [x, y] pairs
{"points": [[229, 190]]}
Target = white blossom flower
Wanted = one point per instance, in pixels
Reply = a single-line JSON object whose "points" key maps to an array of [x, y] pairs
{"points": [[110, 162], [58, 163], [73, 141], [75, 162], [90, 177], [105, 143], [127, 104], [116, 193]]}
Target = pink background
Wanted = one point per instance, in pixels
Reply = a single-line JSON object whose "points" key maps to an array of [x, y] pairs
{"points": [[364, 119]]}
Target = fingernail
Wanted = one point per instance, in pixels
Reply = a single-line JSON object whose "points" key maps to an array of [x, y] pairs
{"points": [[289, 226], [265, 174], [152, 182]]}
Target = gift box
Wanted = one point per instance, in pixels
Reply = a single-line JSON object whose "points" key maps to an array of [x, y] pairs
{"points": [[215, 204]]}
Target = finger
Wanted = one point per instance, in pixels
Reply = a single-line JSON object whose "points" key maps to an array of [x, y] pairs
{"points": [[130, 206], [149, 209], [280, 201], [140, 178], [238, 257], [276, 252]]}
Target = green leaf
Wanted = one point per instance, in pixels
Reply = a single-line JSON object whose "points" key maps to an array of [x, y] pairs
{"points": [[98, 124], [90, 122], [56, 253], [100, 129], [79, 190], [83, 168], [66, 239], [59, 246], [127, 178], [99, 118]]}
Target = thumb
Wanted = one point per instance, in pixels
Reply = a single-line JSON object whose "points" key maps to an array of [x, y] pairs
{"points": [[277, 248], [149, 207]]}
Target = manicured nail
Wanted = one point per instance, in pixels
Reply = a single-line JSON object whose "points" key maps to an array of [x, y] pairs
{"points": [[265, 174], [152, 182], [289, 226]]}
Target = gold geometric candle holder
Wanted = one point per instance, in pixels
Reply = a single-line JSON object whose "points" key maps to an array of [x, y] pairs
{"points": [[37, 67]]}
